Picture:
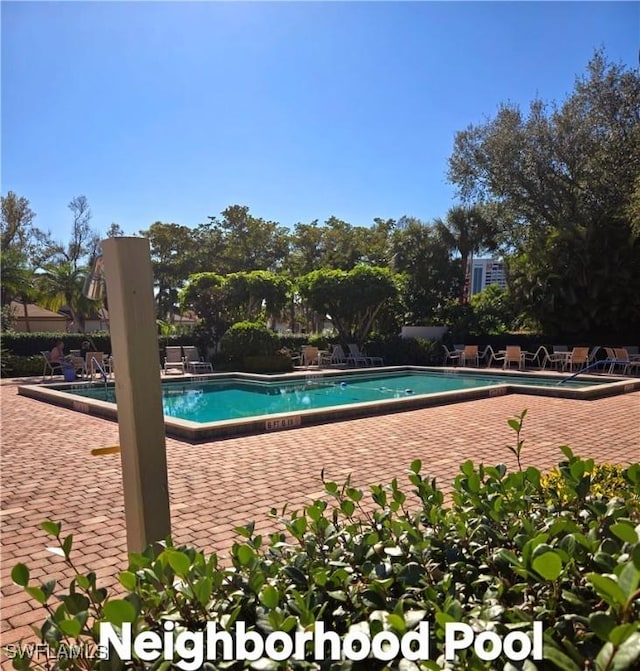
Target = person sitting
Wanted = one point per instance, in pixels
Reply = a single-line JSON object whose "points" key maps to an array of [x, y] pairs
{"points": [[57, 357], [57, 353]]}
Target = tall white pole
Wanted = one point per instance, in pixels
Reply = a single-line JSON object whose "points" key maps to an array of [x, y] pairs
{"points": [[134, 342]]}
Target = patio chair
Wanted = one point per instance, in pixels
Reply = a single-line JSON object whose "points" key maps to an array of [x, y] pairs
{"points": [[95, 362], [540, 356], [194, 362], [623, 359], [173, 359], [513, 354], [336, 357], [578, 357], [50, 367], [470, 356], [310, 356], [558, 357], [633, 351], [358, 356], [450, 355]]}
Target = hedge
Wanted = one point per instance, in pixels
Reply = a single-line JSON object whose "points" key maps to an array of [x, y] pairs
{"points": [[510, 551]]}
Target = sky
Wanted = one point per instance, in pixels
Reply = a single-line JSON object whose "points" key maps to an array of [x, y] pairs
{"points": [[172, 111]]}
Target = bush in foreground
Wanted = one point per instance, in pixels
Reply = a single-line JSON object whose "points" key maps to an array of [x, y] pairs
{"points": [[511, 549]]}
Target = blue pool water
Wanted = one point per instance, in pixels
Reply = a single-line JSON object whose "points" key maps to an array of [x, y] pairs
{"points": [[206, 401]]}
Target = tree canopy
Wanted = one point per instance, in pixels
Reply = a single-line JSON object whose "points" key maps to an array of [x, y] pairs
{"points": [[561, 181]]}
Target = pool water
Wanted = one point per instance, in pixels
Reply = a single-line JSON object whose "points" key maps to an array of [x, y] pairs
{"points": [[206, 401]]}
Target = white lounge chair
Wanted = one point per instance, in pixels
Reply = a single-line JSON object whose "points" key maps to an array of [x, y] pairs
{"points": [[194, 362], [362, 357], [173, 359], [336, 357]]}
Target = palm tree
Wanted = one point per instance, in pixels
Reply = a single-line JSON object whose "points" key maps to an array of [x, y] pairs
{"points": [[61, 284], [469, 231], [17, 281]]}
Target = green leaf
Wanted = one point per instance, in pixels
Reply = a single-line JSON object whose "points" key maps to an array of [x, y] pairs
{"points": [[66, 545], [625, 531], [601, 624], [621, 633], [269, 596], [52, 528], [245, 554], [416, 466], [558, 658], [347, 507], [202, 590], [179, 562], [473, 482], [607, 588], [37, 594], [70, 627], [118, 611], [627, 654], [127, 580], [629, 579], [548, 565], [397, 622], [514, 424], [20, 575]]}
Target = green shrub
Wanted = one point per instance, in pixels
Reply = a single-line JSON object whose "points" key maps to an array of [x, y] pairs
{"points": [[248, 339], [29, 344], [398, 351], [507, 552], [273, 363], [21, 366]]}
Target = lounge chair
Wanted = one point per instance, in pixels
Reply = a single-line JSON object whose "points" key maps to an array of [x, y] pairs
{"points": [[622, 359], [357, 356], [336, 357], [173, 359], [450, 355], [50, 367], [194, 362], [470, 356]]}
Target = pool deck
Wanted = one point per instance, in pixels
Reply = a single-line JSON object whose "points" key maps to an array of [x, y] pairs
{"points": [[48, 472]]}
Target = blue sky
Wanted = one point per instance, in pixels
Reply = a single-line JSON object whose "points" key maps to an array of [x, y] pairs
{"points": [[172, 111]]}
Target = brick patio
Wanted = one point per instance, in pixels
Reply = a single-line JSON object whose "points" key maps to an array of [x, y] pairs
{"points": [[48, 472]]}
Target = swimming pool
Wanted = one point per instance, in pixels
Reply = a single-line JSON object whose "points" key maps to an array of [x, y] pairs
{"points": [[203, 407]]}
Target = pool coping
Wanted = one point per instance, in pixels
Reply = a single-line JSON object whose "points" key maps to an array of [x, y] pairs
{"points": [[198, 432]]}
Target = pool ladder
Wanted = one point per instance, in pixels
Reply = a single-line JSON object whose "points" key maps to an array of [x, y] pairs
{"points": [[591, 366], [103, 372]]}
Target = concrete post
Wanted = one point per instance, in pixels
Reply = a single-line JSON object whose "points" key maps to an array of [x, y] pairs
{"points": [[134, 341]]}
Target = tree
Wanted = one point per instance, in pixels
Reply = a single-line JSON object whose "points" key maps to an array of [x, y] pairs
{"points": [[468, 231], [173, 250], [431, 277], [352, 299], [251, 293], [206, 295], [115, 231], [60, 284], [564, 179], [250, 243], [16, 227]]}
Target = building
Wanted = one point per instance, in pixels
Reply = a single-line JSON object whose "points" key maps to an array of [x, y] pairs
{"points": [[36, 319], [483, 272]]}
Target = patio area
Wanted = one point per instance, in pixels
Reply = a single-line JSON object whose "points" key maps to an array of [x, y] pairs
{"points": [[49, 473]]}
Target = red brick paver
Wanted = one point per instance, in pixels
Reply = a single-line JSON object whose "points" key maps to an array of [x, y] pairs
{"points": [[48, 472]]}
